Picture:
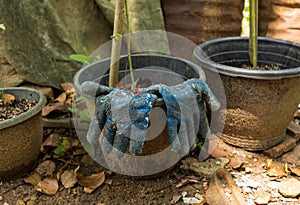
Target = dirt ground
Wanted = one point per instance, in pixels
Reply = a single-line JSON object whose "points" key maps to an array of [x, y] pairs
{"points": [[250, 171]]}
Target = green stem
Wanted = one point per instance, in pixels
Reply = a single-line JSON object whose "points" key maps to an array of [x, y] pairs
{"points": [[133, 86], [253, 32]]}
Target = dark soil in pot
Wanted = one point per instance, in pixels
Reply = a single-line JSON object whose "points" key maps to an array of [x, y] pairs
{"points": [[14, 108], [260, 103]]}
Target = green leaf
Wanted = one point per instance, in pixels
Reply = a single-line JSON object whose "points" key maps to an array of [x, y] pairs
{"points": [[79, 99], [79, 58], [2, 26], [72, 110], [115, 36], [85, 115]]}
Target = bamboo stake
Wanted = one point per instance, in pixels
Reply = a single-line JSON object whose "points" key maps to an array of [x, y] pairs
{"points": [[253, 33]]}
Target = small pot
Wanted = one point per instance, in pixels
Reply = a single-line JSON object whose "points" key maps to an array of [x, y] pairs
{"points": [[21, 137], [158, 69], [260, 103]]}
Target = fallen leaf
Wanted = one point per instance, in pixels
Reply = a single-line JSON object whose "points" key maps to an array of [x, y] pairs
{"points": [[220, 184], [67, 86], [54, 107], [79, 152], [48, 186], [9, 99], [33, 179], [61, 99], [90, 183], [276, 170], [184, 182], [295, 171], [51, 141], [204, 169], [46, 168], [68, 178], [176, 197]]}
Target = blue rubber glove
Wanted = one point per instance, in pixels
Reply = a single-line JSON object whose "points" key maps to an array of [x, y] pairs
{"points": [[186, 114], [124, 115]]}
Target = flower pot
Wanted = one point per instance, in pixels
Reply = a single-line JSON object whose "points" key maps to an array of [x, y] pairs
{"points": [[21, 136], [201, 20], [260, 103], [155, 69]]}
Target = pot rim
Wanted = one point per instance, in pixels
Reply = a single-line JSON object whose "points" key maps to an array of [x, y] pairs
{"points": [[201, 57], [159, 101], [29, 113]]}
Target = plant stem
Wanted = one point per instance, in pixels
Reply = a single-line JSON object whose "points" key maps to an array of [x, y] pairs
{"points": [[116, 43], [253, 32], [133, 86]]}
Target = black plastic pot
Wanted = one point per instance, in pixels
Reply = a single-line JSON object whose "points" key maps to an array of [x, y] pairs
{"points": [[260, 103], [154, 69], [21, 137]]}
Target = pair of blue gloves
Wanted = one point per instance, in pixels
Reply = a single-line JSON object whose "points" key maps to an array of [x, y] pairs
{"points": [[125, 115]]}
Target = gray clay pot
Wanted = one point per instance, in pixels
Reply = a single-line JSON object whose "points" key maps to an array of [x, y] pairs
{"points": [[260, 103], [21, 137]]}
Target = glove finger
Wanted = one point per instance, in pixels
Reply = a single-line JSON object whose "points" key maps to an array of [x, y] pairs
{"points": [[120, 144], [94, 131], [172, 126], [137, 140], [108, 137], [209, 97], [204, 129], [183, 138], [101, 109], [92, 88]]}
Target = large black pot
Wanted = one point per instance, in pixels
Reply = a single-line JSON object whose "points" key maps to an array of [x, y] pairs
{"points": [[260, 103], [154, 69]]}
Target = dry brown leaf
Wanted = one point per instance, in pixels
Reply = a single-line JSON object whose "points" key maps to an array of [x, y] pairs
{"points": [[296, 171], [79, 152], [46, 168], [176, 197], [54, 107], [275, 170], [48, 186], [67, 86], [9, 99], [33, 179], [51, 141], [68, 178], [90, 183], [61, 99], [184, 182]]}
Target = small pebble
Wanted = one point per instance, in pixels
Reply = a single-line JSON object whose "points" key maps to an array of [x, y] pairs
{"points": [[1, 198]]}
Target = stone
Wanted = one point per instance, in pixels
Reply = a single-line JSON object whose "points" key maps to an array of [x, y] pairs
{"points": [[288, 144], [35, 47], [289, 188], [263, 198], [293, 156]]}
